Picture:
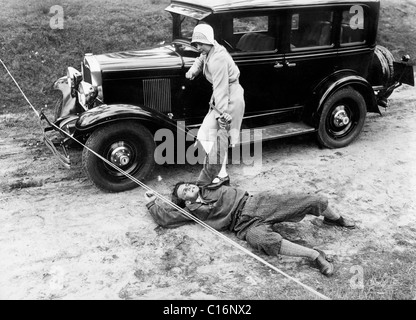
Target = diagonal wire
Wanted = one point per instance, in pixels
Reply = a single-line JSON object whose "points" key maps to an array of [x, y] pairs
{"points": [[34, 110], [176, 207]]}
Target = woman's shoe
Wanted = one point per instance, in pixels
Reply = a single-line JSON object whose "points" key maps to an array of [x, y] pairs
{"points": [[220, 181]]}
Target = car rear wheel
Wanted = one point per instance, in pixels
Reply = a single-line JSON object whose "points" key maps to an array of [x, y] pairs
{"points": [[342, 118], [129, 146]]}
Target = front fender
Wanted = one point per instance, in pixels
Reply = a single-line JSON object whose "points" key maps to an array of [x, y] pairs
{"points": [[104, 114], [343, 79], [69, 105]]}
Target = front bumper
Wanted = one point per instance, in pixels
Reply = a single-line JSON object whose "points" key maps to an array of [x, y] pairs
{"points": [[61, 143]]}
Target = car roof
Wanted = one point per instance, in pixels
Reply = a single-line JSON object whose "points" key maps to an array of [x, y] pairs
{"points": [[229, 5]]}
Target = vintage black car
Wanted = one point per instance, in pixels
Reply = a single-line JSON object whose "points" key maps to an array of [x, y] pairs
{"points": [[306, 66]]}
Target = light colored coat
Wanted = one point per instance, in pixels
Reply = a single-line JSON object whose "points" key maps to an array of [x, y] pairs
{"points": [[221, 71]]}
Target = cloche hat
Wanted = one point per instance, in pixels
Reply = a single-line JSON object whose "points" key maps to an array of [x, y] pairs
{"points": [[203, 33]]}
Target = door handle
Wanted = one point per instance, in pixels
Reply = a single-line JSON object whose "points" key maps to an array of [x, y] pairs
{"points": [[290, 65], [278, 65]]}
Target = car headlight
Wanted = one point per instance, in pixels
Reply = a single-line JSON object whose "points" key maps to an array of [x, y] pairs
{"points": [[74, 78], [87, 94]]}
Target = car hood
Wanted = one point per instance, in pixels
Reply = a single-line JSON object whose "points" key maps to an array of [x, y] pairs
{"points": [[157, 58]]}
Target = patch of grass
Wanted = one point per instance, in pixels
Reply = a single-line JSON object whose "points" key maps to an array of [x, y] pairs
{"points": [[397, 29], [386, 275], [21, 184], [37, 55], [8, 123], [373, 274]]}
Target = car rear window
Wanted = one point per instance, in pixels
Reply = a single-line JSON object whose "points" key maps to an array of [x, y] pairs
{"points": [[311, 29], [353, 26]]}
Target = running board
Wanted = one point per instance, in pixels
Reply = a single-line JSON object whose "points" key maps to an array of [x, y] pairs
{"points": [[284, 130]]}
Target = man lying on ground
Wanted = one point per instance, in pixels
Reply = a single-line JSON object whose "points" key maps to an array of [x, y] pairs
{"points": [[251, 217]]}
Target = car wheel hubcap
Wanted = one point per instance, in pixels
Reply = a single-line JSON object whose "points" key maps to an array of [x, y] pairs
{"points": [[341, 121], [341, 118], [120, 155]]}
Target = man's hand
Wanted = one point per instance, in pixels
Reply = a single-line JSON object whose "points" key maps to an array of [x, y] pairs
{"points": [[190, 75], [149, 197]]}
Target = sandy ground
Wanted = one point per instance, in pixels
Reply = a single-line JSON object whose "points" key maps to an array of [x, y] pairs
{"points": [[61, 238]]}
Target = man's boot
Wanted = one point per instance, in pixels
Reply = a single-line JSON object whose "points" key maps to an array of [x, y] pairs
{"points": [[323, 264], [340, 222]]}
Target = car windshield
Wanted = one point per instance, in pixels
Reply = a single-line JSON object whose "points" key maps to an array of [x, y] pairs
{"points": [[185, 19], [186, 27], [183, 27]]}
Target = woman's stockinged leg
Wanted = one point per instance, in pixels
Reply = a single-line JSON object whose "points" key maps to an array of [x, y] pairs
{"points": [[223, 172]]}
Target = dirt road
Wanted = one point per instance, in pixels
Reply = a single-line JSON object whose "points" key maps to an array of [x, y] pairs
{"points": [[61, 238]]}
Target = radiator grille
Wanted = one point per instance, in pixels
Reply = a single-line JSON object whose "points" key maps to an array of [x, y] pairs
{"points": [[157, 94]]}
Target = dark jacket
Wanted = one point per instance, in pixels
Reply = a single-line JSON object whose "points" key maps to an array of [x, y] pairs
{"points": [[219, 204]]}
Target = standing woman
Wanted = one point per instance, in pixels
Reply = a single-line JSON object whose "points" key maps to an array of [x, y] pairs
{"points": [[227, 98]]}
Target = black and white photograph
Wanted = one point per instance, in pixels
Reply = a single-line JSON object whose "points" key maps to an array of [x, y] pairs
{"points": [[207, 150]]}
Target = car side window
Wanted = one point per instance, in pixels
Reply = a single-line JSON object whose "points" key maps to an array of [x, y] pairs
{"points": [[254, 34], [353, 26], [311, 29]]}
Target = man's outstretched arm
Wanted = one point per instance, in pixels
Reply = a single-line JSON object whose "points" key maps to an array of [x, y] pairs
{"points": [[165, 216], [168, 217]]}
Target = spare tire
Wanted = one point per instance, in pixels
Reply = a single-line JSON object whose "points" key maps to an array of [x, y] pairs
{"points": [[381, 71]]}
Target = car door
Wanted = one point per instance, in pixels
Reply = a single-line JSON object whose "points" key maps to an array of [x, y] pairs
{"points": [[254, 43], [310, 51]]}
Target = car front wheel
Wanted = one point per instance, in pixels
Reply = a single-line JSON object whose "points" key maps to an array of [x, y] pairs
{"points": [[342, 118], [128, 146]]}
